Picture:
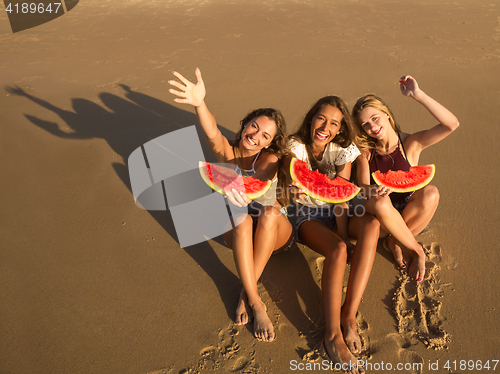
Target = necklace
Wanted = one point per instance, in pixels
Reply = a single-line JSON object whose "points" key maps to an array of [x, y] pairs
{"points": [[390, 154]]}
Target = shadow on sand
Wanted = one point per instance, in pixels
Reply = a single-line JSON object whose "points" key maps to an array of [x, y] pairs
{"points": [[128, 122]]}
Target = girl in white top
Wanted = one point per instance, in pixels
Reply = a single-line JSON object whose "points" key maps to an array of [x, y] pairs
{"points": [[258, 147], [333, 156], [325, 142]]}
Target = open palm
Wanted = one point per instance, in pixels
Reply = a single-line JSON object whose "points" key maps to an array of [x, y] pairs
{"points": [[189, 93]]}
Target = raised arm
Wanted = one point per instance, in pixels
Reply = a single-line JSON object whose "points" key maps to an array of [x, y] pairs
{"points": [[447, 120], [194, 94]]}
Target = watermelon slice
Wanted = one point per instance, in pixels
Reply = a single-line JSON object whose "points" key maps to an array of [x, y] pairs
{"points": [[406, 181], [219, 177], [319, 186]]}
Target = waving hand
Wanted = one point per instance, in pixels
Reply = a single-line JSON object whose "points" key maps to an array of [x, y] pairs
{"points": [[447, 120], [194, 94], [189, 93], [408, 85]]}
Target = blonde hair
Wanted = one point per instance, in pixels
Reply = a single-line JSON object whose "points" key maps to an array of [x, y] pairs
{"points": [[362, 139]]}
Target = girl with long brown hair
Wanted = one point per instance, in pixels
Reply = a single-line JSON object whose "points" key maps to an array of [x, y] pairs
{"points": [[256, 151], [325, 142]]}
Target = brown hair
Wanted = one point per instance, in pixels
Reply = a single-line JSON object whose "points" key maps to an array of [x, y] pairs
{"points": [[345, 136], [363, 140], [277, 146]]}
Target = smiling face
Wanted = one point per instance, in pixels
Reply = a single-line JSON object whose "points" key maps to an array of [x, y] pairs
{"points": [[325, 125], [258, 133], [374, 122]]}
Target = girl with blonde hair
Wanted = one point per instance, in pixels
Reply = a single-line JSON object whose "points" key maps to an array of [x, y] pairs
{"points": [[384, 147]]}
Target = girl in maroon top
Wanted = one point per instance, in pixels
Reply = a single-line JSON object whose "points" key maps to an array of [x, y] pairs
{"points": [[384, 147]]}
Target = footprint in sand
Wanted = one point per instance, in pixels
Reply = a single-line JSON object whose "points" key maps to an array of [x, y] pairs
{"points": [[318, 351], [366, 353], [417, 306], [395, 343], [168, 370], [226, 356]]}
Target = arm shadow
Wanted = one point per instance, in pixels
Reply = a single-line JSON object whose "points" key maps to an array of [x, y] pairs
{"points": [[126, 123]]}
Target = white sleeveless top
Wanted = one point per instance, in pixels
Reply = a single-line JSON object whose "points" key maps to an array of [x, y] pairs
{"points": [[334, 155]]}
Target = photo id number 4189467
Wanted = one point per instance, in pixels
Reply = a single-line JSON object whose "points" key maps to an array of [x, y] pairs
{"points": [[27, 8], [470, 365]]}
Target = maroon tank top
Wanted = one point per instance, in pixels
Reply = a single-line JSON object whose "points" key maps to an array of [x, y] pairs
{"points": [[394, 161]]}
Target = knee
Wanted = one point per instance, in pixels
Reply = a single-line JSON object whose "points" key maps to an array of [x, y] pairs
{"points": [[268, 216], [337, 252], [378, 205], [431, 196], [243, 223], [371, 224]]}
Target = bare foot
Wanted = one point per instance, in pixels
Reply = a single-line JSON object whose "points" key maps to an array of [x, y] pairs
{"points": [[339, 354], [417, 266], [400, 256], [243, 310], [351, 337], [262, 325]]}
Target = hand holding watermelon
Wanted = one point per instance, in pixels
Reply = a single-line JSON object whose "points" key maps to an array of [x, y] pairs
{"points": [[238, 189], [374, 190], [236, 196], [296, 191], [382, 190]]}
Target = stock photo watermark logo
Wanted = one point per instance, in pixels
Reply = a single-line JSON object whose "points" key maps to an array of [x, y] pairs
{"points": [[25, 14], [164, 173]]}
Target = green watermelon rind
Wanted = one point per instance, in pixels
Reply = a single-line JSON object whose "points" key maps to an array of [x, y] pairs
{"points": [[246, 180], [413, 187], [316, 196], [206, 178]]}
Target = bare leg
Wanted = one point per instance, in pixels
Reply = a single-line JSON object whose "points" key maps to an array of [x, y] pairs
{"points": [[392, 222], [417, 214], [241, 239], [401, 257], [366, 230], [421, 208], [244, 313], [272, 233], [321, 239]]}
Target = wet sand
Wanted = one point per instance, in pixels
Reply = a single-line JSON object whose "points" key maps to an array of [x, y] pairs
{"points": [[90, 283]]}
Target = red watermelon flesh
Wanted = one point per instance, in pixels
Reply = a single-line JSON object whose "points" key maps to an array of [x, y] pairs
{"points": [[406, 181], [319, 186], [220, 177]]}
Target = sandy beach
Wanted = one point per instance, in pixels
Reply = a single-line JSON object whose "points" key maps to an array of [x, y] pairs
{"points": [[91, 283]]}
